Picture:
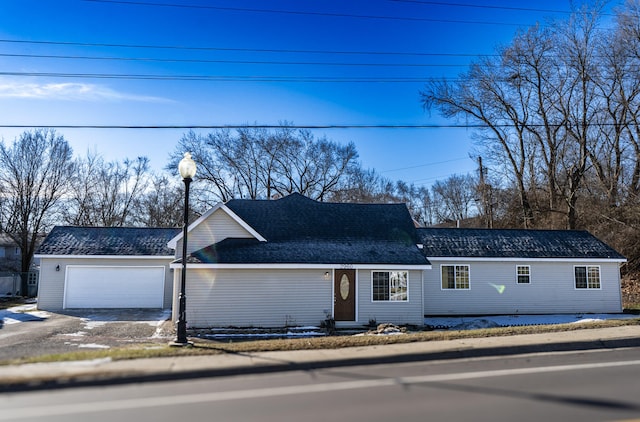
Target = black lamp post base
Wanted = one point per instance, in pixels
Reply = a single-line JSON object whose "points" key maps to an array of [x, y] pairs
{"points": [[179, 344]]}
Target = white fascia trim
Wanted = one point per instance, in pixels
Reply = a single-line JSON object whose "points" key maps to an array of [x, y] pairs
{"points": [[306, 266], [172, 244], [469, 259], [164, 258]]}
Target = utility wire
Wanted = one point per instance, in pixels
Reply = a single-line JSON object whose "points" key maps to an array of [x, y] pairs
{"points": [[240, 62], [249, 50], [261, 62], [224, 78], [280, 126], [424, 165], [299, 13], [482, 6]]}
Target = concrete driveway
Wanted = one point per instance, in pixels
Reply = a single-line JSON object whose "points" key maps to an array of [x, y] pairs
{"points": [[26, 332]]}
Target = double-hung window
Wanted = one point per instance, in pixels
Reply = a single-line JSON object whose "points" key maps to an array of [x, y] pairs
{"points": [[390, 286], [455, 276], [587, 277], [523, 274]]}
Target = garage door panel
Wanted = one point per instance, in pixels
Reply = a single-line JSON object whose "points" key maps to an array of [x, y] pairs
{"points": [[114, 287]]}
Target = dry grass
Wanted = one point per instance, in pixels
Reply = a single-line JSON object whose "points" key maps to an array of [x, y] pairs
{"points": [[210, 347]]}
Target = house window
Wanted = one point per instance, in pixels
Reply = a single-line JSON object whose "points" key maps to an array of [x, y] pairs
{"points": [[390, 286], [587, 277], [523, 274], [455, 276]]}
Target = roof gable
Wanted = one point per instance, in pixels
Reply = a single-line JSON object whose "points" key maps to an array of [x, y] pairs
{"points": [[303, 231], [296, 217], [103, 241], [513, 243], [220, 207]]}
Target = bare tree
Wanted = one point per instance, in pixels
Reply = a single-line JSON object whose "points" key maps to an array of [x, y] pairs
{"points": [[256, 163], [454, 198], [488, 95], [538, 108], [313, 167], [35, 173], [161, 204], [106, 193]]}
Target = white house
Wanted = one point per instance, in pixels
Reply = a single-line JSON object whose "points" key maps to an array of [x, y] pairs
{"points": [[296, 261]]}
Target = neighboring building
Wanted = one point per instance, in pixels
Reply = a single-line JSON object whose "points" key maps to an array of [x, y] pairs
{"points": [[10, 255], [11, 269], [296, 261]]}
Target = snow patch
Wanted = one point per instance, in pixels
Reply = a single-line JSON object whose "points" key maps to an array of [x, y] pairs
{"points": [[22, 313], [76, 334], [93, 346], [470, 323]]}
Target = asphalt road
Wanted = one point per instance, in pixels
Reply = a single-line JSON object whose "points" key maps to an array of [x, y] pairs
{"points": [[569, 386]]}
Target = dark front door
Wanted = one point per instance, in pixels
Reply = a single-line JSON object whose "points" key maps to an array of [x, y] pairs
{"points": [[344, 295]]}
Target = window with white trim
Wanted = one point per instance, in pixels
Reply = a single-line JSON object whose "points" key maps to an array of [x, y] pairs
{"points": [[455, 276], [587, 276], [523, 274], [390, 286]]}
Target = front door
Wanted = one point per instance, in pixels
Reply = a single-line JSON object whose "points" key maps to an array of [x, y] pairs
{"points": [[344, 295]]}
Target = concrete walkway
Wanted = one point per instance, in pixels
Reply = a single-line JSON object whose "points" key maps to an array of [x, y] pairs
{"points": [[99, 372]]}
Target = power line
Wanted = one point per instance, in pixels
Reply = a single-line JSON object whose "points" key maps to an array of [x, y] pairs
{"points": [[248, 50], [280, 126], [425, 165], [244, 126], [261, 62], [240, 62], [483, 6], [224, 78], [299, 13]]}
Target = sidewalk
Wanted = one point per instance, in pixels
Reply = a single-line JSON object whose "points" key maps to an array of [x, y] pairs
{"points": [[99, 372]]}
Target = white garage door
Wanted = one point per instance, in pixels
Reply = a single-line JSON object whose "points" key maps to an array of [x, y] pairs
{"points": [[114, 287]]}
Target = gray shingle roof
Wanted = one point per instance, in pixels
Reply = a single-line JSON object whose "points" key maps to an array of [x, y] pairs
{"points": [[237, 251], [296, 217], [124, 241], [494, 243], [301, 230]]}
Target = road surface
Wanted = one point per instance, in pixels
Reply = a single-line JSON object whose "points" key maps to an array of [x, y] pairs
{"points": [[581, 386]]}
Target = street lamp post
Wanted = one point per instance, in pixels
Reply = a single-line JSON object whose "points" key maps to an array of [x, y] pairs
{"points": [[187, 169]]}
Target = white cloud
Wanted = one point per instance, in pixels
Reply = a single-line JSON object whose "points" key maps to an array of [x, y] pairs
{"points": [[69, 92]]}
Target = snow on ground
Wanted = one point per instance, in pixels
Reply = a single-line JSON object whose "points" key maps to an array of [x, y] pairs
{"points": [[22, 313], [93, 346], [475, 322], [293, 332]]}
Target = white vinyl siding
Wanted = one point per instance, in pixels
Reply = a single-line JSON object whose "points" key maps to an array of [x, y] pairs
{"points": [[51, 283], [551, 290], [398, 312], [217, 227], [256, 297]]}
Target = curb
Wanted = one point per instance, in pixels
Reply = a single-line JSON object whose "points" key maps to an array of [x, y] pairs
{"points": [[264, 363]]}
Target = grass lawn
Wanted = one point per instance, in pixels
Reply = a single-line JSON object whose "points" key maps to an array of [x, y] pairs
{"points": [[210, 347]]}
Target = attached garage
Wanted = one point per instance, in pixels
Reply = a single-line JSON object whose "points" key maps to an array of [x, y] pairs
{"points": [[114, 287], [106, 267]]}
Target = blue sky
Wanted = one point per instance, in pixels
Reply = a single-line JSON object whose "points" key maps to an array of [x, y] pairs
{"points": [[253, 43]]}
